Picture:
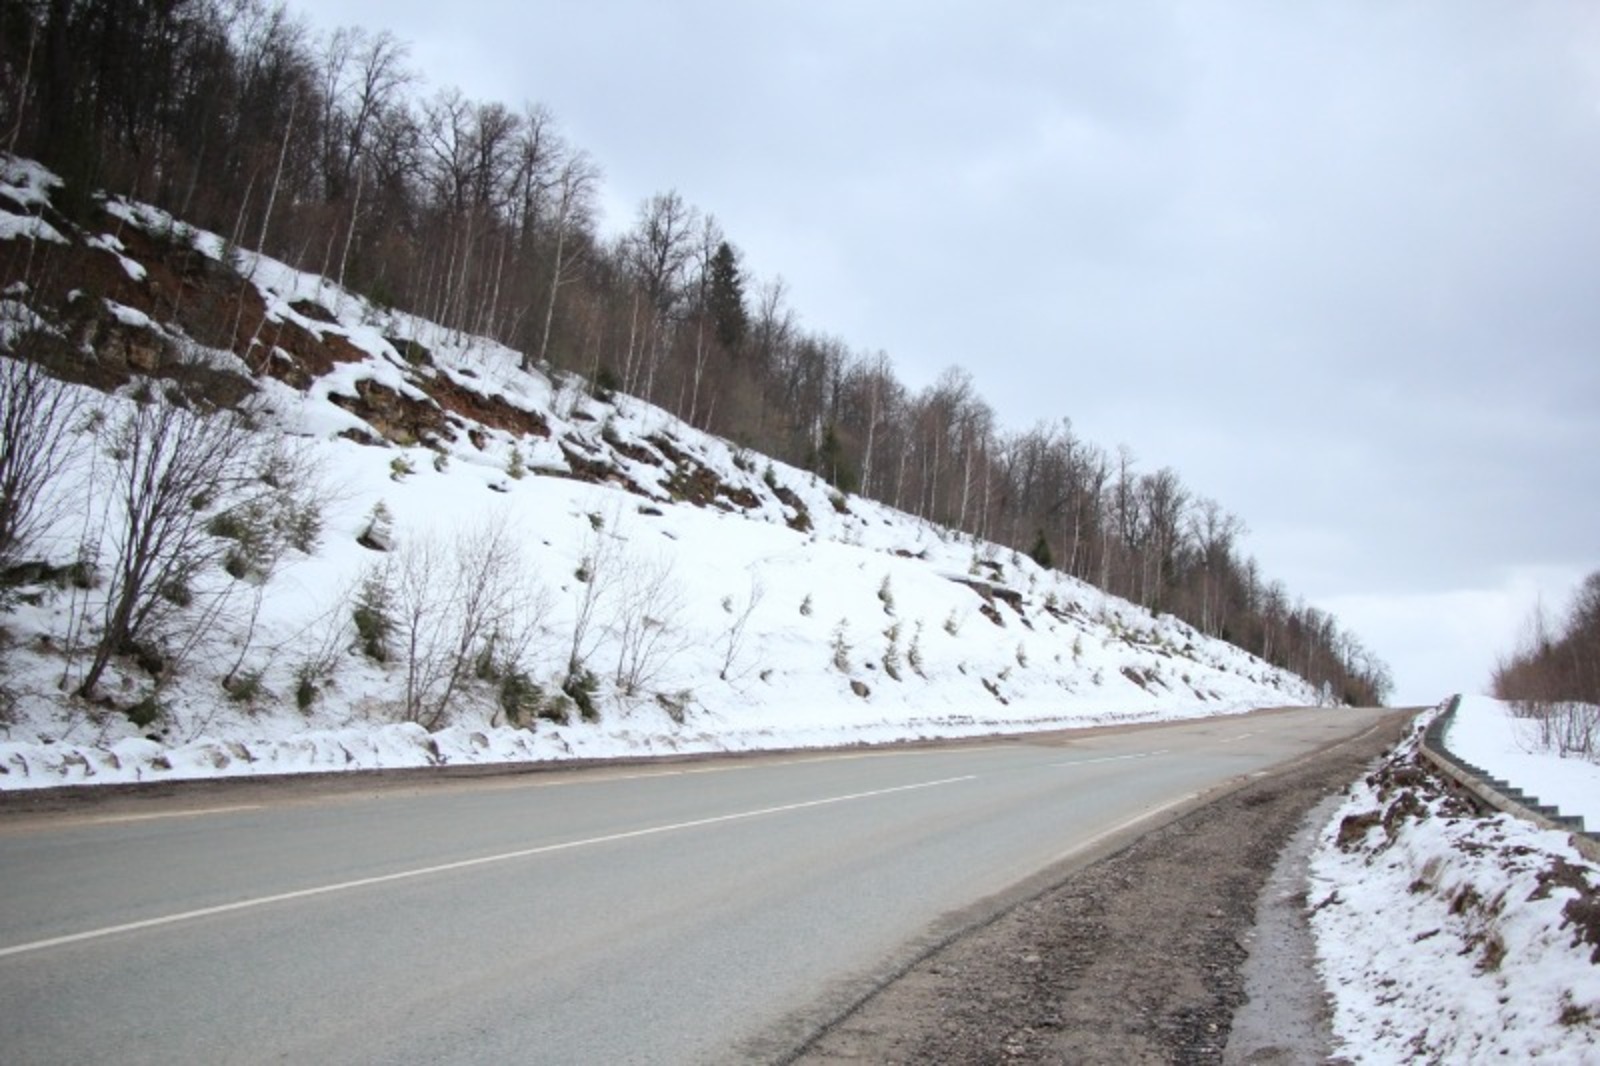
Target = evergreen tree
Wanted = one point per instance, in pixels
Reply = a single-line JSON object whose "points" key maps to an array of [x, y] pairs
{"points": [[833, 463], [725, 298], [1041, 551]]}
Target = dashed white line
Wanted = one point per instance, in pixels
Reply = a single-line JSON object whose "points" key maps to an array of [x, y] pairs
{"points": [[449, 867], [119, 819], [1112, 758]]}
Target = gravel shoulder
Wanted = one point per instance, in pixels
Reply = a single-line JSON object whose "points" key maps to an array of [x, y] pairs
{"points": [[1136, 958]]}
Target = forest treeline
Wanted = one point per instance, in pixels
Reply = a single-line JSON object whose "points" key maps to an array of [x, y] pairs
{"points": [[1558, 659], [331, 153]]}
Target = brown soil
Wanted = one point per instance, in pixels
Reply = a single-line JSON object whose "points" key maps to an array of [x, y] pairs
{"points": [[1133, 959]]}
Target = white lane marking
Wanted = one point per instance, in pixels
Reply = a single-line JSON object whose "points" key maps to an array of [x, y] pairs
{"points": [[449, 867], [85, 821], [1235, 740], [585, 776], [1085, 845], [1112, 758], [118, 819]]}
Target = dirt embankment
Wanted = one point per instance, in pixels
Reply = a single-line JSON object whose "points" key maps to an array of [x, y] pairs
{"points": [[1134, 959]]}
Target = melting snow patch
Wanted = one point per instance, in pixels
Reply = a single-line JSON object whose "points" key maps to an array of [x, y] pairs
{"points": [[15, 226], [109, 243]]}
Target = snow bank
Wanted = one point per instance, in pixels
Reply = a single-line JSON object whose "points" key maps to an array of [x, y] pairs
{"points": [[1488, 734], [1444, 936]]}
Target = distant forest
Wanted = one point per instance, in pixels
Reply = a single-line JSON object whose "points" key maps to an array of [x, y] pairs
{"points": [[332, 154], [1558, 659]]}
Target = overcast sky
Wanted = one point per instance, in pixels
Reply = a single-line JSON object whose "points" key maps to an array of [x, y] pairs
{"points": [[1338, 264]]}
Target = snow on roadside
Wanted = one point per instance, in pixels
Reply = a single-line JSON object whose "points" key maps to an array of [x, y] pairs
{"points": [[1445, 936], [1067, 655], [1487, 733]]}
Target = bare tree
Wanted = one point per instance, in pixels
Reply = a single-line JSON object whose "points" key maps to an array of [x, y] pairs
{"points": [[881, 388], [658, 251], [646, 623], [732, 644], [38, 441], [1163, 502], [709, 240], [362, 75], [461, 609], [1557, 661], [537, 153], [576, 186], [448, 142], [597, 576], [1214, 532], [177, 472], [661, 246]]}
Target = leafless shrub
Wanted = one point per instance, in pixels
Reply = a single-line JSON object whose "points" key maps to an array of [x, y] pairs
{"points": [[39, 416], [1568, 729], [268, 530], [597, 576], [461, 610], [733, 640], [319, 645], [177, 470], [421, 598], [646, 623]]}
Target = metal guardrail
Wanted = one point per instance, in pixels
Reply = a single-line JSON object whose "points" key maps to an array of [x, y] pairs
{"points": [[1499, 794]]}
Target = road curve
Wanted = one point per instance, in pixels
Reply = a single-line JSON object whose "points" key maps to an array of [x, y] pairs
{"points": [[699, 912]]}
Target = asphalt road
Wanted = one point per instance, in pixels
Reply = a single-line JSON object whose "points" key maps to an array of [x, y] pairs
{"points": [[715, 911]]}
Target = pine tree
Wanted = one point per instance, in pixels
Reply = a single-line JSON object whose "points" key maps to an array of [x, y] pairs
{"points": [[833, 463], [1041, 551], [725, 298]]}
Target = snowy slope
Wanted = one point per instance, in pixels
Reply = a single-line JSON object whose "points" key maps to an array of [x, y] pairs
{"points": [[782, 613], [1487, 733], [1447, 936]]}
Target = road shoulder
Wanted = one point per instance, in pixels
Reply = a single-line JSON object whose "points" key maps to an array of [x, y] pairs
{"points": [[1135, 958]]}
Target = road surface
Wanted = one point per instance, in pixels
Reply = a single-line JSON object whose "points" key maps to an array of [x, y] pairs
{"points": [[692, 912]]}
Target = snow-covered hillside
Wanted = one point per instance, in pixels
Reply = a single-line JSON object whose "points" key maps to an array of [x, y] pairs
{"points": [[708, 598]]}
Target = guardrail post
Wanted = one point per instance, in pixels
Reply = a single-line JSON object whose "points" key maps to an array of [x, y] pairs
{"points": [[1497, 794]]}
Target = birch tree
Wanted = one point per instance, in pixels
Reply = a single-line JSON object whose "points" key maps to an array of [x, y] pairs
{"points": [[575, 191], [659, 250]]}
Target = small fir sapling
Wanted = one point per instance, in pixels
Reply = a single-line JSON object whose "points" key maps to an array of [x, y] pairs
{"points": [[891, 654], [840, 644], [914, 652]]}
